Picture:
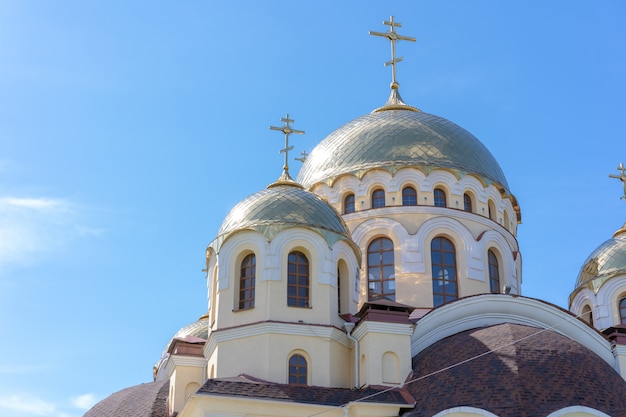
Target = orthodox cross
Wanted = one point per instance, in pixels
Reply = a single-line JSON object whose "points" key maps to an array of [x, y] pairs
{"points": [[393, 37], [621, 177], [287, 130], [303, 156]]}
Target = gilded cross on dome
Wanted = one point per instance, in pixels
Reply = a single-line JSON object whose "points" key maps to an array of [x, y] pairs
{"points": [[393, 37], [303, 156], [287, 130], [621, 177]]}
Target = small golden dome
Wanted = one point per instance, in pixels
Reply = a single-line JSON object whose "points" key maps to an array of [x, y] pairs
{"points": [[604, 263], [282, 205]]}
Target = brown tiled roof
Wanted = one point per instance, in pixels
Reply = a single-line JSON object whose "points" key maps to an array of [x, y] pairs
{"points": [[144, 400], [535, 376], [245, 386]]}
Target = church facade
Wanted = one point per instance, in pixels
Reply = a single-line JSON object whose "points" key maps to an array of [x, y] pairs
{"points": [[386, 280]]}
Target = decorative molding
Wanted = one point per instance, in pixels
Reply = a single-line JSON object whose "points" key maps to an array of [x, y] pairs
{"points": [[372, 225], [464, 410], [174, 361], [367, 327], [620, 350], [575, 410], [490, 309], [289, 329]]}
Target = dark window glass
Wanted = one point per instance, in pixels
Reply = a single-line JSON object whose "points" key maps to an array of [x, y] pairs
{"points": [[586, 315], [622, 310], [467, 203], [409, 196], [380, 270], [378, 198], [297, 370], [338, 291], [494, 273], [492, 210], [440, 198], [443, 260], [348, 204], [297, 280], [247, 278]]}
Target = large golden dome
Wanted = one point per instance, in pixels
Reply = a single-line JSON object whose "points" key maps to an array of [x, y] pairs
{"points": [[398, 136]]}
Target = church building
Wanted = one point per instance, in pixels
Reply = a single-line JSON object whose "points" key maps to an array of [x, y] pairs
{"points": [[386, 280]]}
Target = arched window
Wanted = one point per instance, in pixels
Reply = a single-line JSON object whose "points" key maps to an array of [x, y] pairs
{"points": [[494, 273], [338, 290], [409, 196], [213, 298], [378, 198], [380, 270], [297, 370], [586, 315], [467, 203], [492, 210], [622, 310], [443, 260], [343, 287], [247, 278], [348, 204], [440, 197], [297, 280]]}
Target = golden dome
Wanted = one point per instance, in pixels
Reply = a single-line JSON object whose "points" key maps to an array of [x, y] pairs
{"points": [[280, 206], [604, 263], [398, 136]]}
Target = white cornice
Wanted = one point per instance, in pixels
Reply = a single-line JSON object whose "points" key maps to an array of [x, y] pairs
{"points": [[578, 410], [491, 309], [210, 346], [465, 409], [367, 327], [620, 349], [175, 361], [290, 329]]}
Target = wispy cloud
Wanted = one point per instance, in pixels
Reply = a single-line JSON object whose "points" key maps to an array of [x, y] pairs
{"points": [[29, 405], [44, 204], [85, 401], [14, 368], [31, 227]]}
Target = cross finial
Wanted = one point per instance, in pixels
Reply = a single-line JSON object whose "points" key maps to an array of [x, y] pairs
{"points": [[287, 130], [621, 177], [393, 37], [303, 156]]}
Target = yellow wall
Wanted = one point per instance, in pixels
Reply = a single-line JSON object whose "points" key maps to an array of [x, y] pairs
{"points": [[182, 380], [208, 406], [384, 354], [265, 354]]}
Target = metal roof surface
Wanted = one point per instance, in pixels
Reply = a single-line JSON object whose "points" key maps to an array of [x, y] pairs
{"points": [[397, 138], [281, 206], [605, 262]]}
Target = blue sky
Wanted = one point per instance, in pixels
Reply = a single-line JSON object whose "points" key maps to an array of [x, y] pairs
{"points": [[129, 129]]}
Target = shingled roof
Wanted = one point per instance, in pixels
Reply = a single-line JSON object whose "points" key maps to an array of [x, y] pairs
{"points": [[144, 400], [536, 373], [246, 386]]}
